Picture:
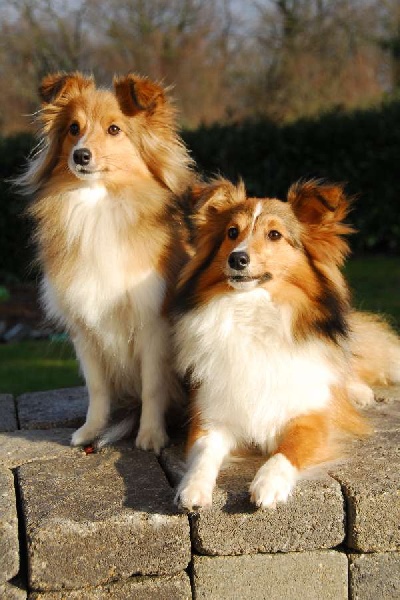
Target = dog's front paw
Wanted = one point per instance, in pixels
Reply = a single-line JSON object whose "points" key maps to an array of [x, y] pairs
{"points": [[84, 435], [151, 438], [273, 482], [193, 494]]}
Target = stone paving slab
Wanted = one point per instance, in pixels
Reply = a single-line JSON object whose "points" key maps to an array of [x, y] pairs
{"points": [[9, 546], [313, 518], [54, 408], [310, 575], [176, 587], [20, 447], [373, 576], [8, 416], [371, 486], [387, 393], [385, 414], [9, 591], [93, 519]]}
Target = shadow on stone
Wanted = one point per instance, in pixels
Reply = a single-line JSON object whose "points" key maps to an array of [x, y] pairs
{"points": [[146, 487], [115, 508]]}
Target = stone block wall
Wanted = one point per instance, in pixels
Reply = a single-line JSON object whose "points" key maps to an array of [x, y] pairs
{"points": [[76, 526]]}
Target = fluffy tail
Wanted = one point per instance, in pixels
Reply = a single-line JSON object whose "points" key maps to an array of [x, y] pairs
{"points": [[375, 349], [117, 432]]}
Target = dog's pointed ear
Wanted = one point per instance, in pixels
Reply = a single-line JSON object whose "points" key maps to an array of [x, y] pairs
{"points": [[321, 208], [137, 94], [63, 86], [315, 203], [215, 197]]}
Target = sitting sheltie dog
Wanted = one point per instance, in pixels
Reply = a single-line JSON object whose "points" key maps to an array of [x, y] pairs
{"points": [[265, 334], [105, 181]]}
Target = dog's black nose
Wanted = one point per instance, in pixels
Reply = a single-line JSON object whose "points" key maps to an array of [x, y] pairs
{"points": [[82, 156], [238, 260]]}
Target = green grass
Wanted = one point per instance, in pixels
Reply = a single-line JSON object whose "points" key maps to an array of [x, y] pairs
{"points": [[375, 283], [32, 366]]}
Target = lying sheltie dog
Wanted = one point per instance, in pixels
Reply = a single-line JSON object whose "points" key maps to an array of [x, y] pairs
{"points": [[264, 332], [105, 182]]}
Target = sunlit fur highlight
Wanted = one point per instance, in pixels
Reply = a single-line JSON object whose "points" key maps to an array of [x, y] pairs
{"points": [[109, 236], [276, 357], [375, 351]]}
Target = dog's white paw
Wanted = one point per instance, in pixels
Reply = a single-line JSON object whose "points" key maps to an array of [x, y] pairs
{"points": [[194, 493], [273, 482], [361, 394], [85, 435], [151, 438]]}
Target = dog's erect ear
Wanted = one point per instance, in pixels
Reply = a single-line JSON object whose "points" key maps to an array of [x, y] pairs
{"points": [[208, 196], [315, 203], [63, 86], [215, 197], [321, 208], [136, 94]]}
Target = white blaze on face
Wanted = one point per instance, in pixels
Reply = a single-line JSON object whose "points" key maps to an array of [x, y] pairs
{"points": [[256, 214], [242, 247]]}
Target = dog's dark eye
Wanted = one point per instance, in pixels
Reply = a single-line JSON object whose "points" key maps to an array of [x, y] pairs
{"points": [[274, 235], [233, 232], [113, 130], [74, 129]]}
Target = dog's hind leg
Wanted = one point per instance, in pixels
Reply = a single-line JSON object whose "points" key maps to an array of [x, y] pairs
{"points": [[375, 353], [99, 394], [359, 392]]}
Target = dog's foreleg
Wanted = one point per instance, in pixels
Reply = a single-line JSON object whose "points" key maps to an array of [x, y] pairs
{"points": [[152, 434], [303, 444], [204, 462], [99, 394]]}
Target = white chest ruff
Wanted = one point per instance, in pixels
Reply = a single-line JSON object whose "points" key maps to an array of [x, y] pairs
{"points": [[253, 378], [106, 292]]}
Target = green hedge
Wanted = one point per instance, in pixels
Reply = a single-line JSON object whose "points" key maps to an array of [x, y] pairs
{"points": [[361, 149], [15, 248]]}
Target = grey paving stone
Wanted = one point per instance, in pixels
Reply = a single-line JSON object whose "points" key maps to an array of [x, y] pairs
{"points": [[8, 417], [387, 393], [93, 519], [313, 517], [371, 483], [310, 575], [54, 408], [373, 576], [176, 587], [11, 591], [9, 548], [385, 415], [20, 447]]}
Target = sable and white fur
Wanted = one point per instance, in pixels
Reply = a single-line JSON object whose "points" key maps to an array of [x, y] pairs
{"points": [[108, 236], [266, 342]]}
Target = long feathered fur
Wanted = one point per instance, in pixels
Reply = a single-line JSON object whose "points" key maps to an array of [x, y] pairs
{"points": [[109, 237], [265, 332]]}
